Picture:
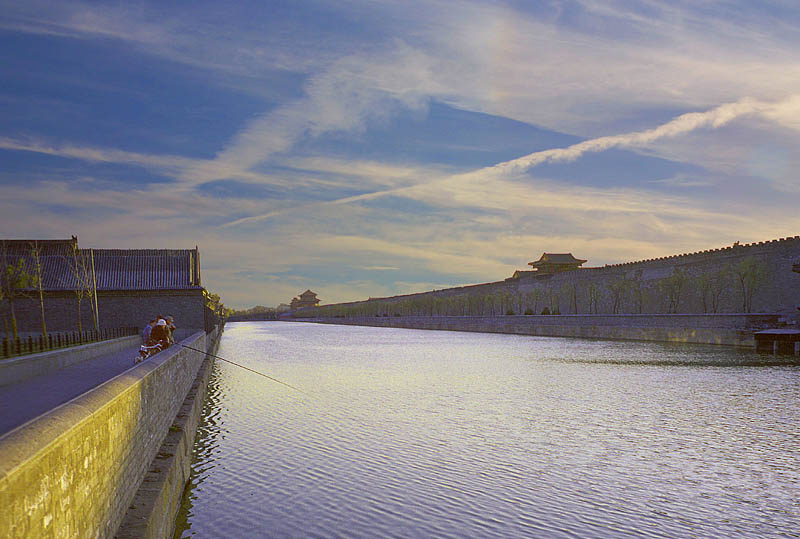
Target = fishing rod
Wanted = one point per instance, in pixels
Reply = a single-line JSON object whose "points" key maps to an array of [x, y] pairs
{"points": [[245, 368]]}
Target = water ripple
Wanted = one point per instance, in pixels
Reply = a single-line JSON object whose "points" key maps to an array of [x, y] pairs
{"points": [[435, 434]]}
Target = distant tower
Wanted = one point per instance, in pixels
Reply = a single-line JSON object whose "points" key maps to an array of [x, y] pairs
{"points": [[307, 299], [550, 263]]}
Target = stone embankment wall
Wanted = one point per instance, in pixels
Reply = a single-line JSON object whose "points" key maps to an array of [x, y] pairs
{"points": [[73, 471], [724, 329], [155, 506], [702, 282]]}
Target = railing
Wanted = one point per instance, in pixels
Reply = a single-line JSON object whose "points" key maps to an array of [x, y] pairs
{"points": [[55, 341]]}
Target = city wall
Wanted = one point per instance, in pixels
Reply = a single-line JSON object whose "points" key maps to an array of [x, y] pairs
{"points": [[74, 471], [702, 282]]}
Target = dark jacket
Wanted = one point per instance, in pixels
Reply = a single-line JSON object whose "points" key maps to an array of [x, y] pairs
{"points": [[159, 333]]}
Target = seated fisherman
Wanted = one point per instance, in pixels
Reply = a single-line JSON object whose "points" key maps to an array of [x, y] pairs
{"points": [[160, 333]]}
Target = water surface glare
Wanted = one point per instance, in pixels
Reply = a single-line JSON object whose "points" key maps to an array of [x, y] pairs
{"points": [[410, 433]]}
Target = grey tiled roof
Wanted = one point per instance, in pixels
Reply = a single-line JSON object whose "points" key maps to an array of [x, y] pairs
{"points": [[144, 269], [115, 269], [558, 258]]}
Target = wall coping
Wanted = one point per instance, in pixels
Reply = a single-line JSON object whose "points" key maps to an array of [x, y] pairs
{"points": [[19, 368]]}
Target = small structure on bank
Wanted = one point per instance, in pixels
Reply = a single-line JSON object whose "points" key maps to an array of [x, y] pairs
{"points": [[306, 299]]}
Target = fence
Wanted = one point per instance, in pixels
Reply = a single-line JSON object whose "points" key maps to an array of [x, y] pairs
{"points": [[54, 341]]}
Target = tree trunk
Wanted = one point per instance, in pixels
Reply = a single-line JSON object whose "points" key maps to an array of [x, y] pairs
{"points": [[13, 317]]}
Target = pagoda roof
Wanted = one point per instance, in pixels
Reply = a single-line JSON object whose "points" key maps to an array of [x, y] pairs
{"points": [[308, 293], [557, 258]]}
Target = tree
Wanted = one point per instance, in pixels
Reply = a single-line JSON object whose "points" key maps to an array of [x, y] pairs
{"points": [[37, 264], [594, 297], [14, 282], [719, 283], [750, 273], [671, 288], [570, 290], [618, 289], [710, 287], [532, 299], [553, 297], [82, 280], [637, 291]]}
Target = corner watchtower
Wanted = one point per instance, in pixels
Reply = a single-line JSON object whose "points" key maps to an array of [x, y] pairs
{"points": [[550, 263]]}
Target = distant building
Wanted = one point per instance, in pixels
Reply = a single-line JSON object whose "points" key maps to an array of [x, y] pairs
{"points": [[306, 299], [283, 307], [133, 286], [550, 263]]}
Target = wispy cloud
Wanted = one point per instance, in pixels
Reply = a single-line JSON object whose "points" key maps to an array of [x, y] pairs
{"points": [[683, 124]]}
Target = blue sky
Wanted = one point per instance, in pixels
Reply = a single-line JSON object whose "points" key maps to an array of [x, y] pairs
{"points": [[370, 148]]}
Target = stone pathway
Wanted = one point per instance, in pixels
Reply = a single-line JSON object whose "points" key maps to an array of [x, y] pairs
{"points": [[26, 400]]}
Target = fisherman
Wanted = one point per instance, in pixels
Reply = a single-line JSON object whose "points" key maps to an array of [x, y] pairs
{"points": [[160, 333]]}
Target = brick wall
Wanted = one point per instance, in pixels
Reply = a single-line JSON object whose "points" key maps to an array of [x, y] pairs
{"points": [[73, 471], [116, 310]]}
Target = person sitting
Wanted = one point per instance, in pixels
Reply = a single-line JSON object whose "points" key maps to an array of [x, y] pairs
{"points": [[171, 327], [147, 329], [160, 334]]}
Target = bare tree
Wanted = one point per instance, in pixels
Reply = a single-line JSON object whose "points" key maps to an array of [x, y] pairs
{"points": [[704, 281], [81, 282], [37, 262], [570, 290], [618, 289], [719, 283], [671, 288], [533, 298], [594, 297], [750, 273]]}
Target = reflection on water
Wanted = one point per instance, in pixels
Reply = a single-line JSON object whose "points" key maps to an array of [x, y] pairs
{"points": [[406, 433], [209, 431]]}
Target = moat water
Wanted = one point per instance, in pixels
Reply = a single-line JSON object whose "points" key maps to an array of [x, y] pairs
{"points": [[409, 433]]}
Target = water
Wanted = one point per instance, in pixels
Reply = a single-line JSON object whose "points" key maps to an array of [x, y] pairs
{"points": [[405, 433]]}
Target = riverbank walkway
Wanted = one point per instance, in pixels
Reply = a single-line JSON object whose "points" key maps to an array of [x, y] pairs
{"points": [[26, 400]]}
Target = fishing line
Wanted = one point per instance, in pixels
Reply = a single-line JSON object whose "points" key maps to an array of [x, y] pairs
{"points": [[245, 368]]}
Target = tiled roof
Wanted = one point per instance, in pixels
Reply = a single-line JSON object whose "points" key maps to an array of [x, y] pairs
{"points": [[46, 247], [145, 269], [115, 269], [558, 258]]}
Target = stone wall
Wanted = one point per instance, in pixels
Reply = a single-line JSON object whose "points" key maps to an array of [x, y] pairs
{"points": [[155, 506], [73, 471], [117, 309], [724, 329], [17, 369], [701, 282]]}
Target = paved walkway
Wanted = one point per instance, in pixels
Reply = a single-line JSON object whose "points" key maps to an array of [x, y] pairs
{"points": [[26, 400]]}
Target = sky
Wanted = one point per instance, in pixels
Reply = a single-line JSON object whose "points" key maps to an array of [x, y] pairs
{"points": [[372, 148]]}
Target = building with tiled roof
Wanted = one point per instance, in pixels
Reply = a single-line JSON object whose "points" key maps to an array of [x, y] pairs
{"points": [[306, 299], [550, 263], [132, 285]]}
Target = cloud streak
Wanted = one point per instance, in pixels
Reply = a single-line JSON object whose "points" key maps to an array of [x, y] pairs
{"points": [[685, 123]]}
